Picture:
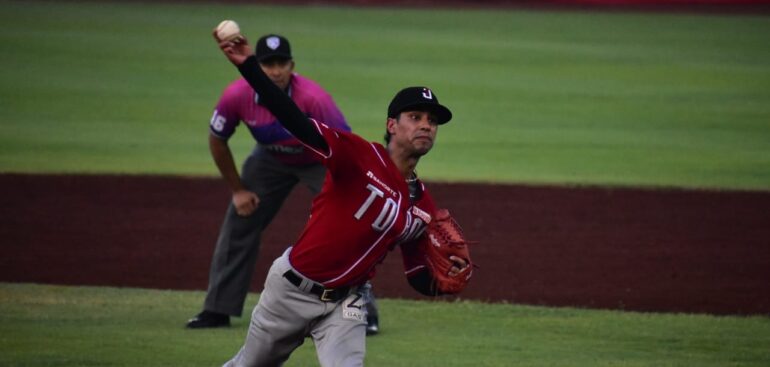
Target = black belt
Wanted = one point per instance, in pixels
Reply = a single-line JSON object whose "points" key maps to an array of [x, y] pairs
{"points": [[324, 294]]}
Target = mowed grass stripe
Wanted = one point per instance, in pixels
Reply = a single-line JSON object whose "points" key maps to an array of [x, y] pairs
{"points": [[539, 97], [43, 325]]}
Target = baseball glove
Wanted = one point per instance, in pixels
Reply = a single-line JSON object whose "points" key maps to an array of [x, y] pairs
{"points": [[445, 239]]}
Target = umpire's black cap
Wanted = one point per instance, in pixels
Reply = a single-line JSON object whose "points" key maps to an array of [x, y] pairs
{"points": [[419, 97], [273, 45]]}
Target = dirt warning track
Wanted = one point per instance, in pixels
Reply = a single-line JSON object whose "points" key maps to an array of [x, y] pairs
{"points": [[613, 248]]}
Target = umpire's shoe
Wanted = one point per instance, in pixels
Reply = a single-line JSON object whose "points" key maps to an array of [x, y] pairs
{"points": [[372, 325], [208, 319]]}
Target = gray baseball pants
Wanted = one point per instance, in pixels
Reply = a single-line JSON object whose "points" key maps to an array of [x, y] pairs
{"points": [[286, 314], [237, 248]]}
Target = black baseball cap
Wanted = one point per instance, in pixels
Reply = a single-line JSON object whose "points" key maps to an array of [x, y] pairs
{"points": [[419, 98], [273, 45]]}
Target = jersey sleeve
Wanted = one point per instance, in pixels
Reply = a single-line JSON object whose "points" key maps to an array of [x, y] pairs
{"points": [[418, 275], [226, 115], [343, 148], [414, 261], [324, 109]]}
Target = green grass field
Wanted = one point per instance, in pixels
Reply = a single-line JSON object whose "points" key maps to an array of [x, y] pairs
{"points": [[91, 326], [539, 97]]}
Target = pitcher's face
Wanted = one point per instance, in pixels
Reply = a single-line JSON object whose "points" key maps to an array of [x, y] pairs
{"points": [[414, 131]]}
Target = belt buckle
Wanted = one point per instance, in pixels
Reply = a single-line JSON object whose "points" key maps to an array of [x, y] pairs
{"points": [[326, 295]]}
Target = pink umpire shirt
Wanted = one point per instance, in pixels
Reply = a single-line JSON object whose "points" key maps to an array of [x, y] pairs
{"points": [[240, 103]]}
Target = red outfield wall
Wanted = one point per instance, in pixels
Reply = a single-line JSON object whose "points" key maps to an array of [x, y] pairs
{"points": [[742, 6]]}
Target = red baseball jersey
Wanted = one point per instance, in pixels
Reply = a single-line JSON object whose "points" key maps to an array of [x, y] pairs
{"points": [[362, 212]]}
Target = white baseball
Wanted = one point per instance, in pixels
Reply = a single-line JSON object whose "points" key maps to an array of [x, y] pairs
{"points": [[228, 30]]}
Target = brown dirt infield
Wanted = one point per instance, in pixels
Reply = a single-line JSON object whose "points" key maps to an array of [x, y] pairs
{"points": [[632, 249]]}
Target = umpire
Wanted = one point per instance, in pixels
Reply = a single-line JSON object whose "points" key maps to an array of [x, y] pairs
{"points": [[275, 166]]}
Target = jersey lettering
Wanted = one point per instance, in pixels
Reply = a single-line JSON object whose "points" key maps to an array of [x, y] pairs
{"points": [[415, 230], [217, 121], [374, 193], [353, 303], [387, 214]]}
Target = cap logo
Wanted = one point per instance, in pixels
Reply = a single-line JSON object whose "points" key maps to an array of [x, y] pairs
{"points": [[427, 93], [273, 42]]}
